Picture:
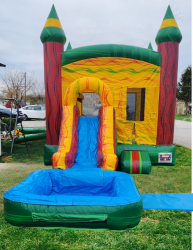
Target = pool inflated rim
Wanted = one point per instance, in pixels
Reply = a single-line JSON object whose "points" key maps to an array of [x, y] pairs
{"points": [[110, 201], [86, 217]]}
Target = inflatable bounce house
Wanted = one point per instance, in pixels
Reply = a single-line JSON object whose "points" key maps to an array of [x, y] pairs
{"points": [[138, 84], [133, 131]]}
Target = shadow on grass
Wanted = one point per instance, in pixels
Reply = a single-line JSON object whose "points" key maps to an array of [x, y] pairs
{"points": [[33, 154]]}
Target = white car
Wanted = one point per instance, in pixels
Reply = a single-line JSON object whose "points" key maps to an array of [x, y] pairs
{"points": [[33, 112]]}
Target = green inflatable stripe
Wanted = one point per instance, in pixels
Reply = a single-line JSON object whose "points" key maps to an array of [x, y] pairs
{"points": [[111, 71], [59, 217], [111, 50], [130, 161], [140, 161], [87, 217]]}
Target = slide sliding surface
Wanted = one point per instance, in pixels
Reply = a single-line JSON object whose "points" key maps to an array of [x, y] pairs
{"points": [[86, 142]]}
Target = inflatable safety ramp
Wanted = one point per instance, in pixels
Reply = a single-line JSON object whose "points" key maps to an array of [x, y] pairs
{"points": [[90, 199], [135, 162], [93, 137]]}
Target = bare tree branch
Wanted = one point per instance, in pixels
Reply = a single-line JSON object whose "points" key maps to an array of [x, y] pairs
{"points": [[14, 84]]}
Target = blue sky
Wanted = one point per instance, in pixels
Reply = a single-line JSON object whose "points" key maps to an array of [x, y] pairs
{"points": [[87, 22]]}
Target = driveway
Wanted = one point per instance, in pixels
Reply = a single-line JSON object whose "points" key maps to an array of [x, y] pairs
{"points": [[183, 133]]}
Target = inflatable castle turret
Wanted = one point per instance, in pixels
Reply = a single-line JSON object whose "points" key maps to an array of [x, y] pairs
{"points": [[69, 46], [150, 46], [53, 39], [167, 39]]}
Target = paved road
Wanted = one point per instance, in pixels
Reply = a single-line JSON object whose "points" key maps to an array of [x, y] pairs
{"points": [[183, 133]]}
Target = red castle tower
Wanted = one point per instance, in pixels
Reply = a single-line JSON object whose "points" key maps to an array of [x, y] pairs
{"points": [[167, 39], [53, 39]]}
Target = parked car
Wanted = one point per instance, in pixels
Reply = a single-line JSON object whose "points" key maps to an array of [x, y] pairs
{"points": [[33, 112], [6, 112]]}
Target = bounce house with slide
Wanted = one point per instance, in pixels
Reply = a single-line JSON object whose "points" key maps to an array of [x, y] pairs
{"points": [[90, 185], [139, 84]]}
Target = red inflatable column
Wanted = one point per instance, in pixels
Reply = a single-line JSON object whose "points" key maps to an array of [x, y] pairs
{"points": [[53, 38], [52, 78], [167, 39]]}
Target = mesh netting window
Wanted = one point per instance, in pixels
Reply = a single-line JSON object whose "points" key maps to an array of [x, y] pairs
{"points": [[135, 104], [90, 104]]}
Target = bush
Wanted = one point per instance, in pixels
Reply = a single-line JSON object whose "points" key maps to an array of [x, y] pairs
{"points": [[7, 121]]}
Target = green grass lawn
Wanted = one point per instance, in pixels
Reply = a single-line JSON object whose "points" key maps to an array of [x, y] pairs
{"points": [[33, 154], [158, 229], [182, 117]]}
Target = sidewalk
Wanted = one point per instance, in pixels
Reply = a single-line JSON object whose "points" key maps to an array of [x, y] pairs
{"points": [[183, 133], [22, 165], [32, 124]]}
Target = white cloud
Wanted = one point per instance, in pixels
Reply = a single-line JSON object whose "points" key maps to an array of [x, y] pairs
{"points": [[87, 22]]}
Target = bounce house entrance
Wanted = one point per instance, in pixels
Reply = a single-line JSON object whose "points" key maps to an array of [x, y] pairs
{"points": [[87, 142]]}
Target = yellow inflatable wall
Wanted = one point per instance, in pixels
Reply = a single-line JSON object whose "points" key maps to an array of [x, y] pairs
{"points": [[121, 75]]}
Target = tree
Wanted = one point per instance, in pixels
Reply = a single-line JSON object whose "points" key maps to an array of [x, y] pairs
{"points": [[14, 84], [37, 95], [184, 87]]}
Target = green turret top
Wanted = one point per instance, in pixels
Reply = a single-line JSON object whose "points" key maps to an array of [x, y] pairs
{"points": [[169, 30], [150, 46], [52, 31], [69, 46]]}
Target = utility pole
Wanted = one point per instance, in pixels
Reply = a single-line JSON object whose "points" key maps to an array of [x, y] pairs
{"points": [[25, 88], [1, 65]]}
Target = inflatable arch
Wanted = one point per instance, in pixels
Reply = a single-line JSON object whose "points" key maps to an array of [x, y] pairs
{"points": [[88, 84], [106, 149]]}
